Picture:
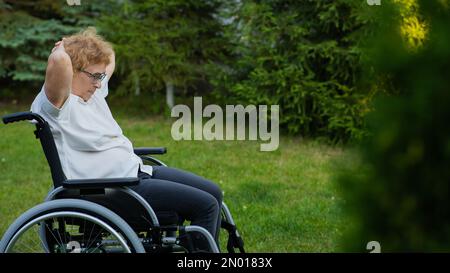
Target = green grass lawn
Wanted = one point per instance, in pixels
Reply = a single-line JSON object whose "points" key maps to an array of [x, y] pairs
{"points": [[282, 201]]}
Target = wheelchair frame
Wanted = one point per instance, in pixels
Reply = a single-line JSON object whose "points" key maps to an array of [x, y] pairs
{"points": [[161, 236]]}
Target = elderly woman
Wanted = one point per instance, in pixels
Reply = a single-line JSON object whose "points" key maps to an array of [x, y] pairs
{"points": [[92, 145]]}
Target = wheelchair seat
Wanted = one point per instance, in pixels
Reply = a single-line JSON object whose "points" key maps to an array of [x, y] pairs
{"points": [[124, 205]]}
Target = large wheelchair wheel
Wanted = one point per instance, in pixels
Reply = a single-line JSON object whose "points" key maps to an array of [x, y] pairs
{"points": [[70, 226]]}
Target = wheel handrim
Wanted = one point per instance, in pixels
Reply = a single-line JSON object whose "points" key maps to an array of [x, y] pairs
{"points": [[65, 243]]}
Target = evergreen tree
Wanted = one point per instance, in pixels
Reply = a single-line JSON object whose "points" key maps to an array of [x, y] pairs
{"points": [[28, 31], [302, 55], [164, 44]]}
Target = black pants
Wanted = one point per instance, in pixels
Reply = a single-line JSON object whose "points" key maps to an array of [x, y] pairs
{"points": [[192, 197]]}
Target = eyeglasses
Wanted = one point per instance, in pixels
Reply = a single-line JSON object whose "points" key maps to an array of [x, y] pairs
{"points": [[96, 76]]}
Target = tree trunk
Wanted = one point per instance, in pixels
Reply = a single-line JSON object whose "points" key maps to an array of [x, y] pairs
{"points": [[169, 94], [137, 86]]}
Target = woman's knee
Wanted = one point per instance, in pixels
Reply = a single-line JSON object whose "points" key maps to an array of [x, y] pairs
{"points": [[210, 203], [216, 191]]}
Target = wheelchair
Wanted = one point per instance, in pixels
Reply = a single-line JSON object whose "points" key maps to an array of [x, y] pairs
{"points": [[102, 215]]}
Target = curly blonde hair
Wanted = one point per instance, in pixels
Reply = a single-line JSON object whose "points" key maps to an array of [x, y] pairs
{"points": [[86, 48]]}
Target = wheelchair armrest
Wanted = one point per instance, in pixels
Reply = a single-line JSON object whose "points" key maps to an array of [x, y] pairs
{"points": [[14, 117], [150, 150], [100, 183]]}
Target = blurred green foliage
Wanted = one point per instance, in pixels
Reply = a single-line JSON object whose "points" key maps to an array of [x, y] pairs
{"points": [[413, 26], [402, 201]]}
